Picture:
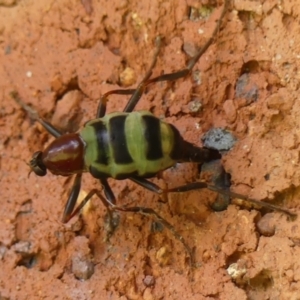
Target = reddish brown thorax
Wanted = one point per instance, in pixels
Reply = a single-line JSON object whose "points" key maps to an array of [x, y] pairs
{"points": [[65, 155]]}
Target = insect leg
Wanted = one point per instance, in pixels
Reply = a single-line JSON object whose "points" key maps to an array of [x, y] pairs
{"points": [[176, 75], [67, 215], [109, 204], [136, 96], [33, 114], [201, 185], [108, 191], [101, 110], [151, 212], [85, 201], [147, 184], [252, 201], [70, 212], [111, 219], [136, 93]]}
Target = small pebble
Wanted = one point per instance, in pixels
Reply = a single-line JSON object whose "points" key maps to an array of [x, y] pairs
{"points": [[149, 280], [127, 77], [219, 139], [266, 225]]}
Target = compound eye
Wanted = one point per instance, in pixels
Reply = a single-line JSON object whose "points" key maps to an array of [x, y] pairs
{"points": [[36, 164]]}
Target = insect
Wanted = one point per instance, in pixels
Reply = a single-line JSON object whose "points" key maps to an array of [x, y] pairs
{"points": [[132, 145]]}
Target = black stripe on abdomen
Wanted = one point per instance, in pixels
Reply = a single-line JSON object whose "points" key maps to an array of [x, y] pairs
{"points": [[102, 142], [153, 138], [118, 142]]}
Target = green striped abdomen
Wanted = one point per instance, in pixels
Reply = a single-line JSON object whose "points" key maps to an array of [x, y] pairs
{"points": [[122, 145]]}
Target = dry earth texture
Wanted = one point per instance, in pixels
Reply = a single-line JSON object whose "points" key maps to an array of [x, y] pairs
{"points": [[61, 56]]}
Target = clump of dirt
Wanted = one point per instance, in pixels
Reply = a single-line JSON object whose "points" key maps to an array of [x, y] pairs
{"points": [[61, 57]]}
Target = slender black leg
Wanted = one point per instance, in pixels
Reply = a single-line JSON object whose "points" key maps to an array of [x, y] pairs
{"points": [[86, 200], [109, 204], [151, 212], [147, 185], [136, 96], [218, 205], [70, 212], [101, 110], [201, 185], [138, 92], [33, 114], [176, 75], [112, 218], [108, 191], [103, 100], [252, 201], [67, 215]]}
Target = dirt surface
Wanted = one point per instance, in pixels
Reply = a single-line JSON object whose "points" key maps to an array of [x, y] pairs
{"points": [[60, 56]]}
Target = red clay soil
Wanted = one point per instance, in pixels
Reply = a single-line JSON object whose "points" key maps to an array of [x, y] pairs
{"points": [[61, 56]]}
